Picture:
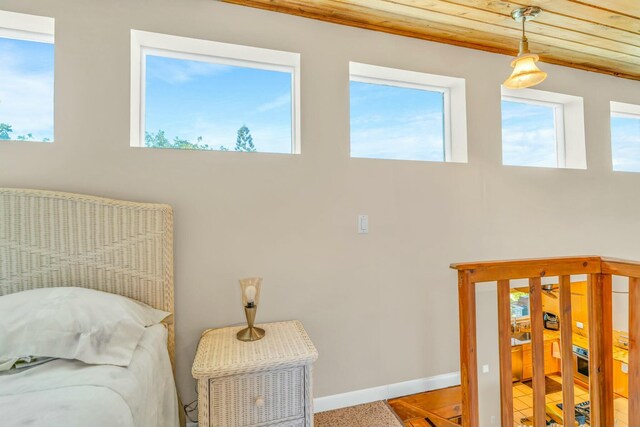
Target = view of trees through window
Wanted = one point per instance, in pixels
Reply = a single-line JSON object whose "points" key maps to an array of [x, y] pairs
{"points": [[244, 142], [26, 90], [200, 105], [6, 133], [204, 105]]}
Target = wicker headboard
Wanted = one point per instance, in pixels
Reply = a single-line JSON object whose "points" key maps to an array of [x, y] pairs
{"points": [[52, 239]]}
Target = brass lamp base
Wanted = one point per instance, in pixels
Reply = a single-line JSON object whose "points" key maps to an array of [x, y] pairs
{"points": [[250, 334]]}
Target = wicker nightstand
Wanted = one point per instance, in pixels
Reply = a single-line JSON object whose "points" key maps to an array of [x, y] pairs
{"points": [[260, 383]]}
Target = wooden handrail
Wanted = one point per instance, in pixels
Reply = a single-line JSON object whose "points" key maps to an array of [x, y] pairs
{"points": [[621, 267], [599, 271], [526, 261], [490, 271]]}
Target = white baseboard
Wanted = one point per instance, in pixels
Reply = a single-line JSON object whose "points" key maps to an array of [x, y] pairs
{"points": [[383, 392]]}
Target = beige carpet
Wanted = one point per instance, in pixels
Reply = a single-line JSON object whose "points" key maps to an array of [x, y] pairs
{"points": [[376, 414]]}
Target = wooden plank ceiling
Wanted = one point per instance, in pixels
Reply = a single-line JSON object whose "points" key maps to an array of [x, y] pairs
{"points": [[595, 35]]}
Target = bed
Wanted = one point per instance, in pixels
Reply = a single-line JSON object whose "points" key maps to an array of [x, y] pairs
{"points": [[51, 239]]}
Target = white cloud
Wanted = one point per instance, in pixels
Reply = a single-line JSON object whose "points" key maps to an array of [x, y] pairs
{"points": [[626, 148], [391, 122], [528, 135], [280, 101], [175, 71], [534, 147], [520, 111], [416, 137]]}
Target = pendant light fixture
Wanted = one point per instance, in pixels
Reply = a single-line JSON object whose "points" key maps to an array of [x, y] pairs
{"points": [[525, 71]]}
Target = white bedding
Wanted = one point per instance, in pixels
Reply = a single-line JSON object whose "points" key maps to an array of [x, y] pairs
{"points": [[70, 393]]}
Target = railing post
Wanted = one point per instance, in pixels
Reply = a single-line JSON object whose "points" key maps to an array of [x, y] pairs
{"points": [[504, 344], [634, 351], [566, 342], [600, 349], [468, 350], [537, 352]]}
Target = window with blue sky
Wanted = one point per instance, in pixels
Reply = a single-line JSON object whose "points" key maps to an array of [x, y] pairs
{"points": [[26, 90], [529, 135], [394, 122], [206, 105], [625, 142]]}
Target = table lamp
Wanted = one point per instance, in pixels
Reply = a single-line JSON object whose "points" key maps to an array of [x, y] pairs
{"points": [[250, 289]]}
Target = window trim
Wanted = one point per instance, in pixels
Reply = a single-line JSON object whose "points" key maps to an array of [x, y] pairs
{"points": [[21, 26], [568, 123], [145, 43], [454, 100], [624, 110]]}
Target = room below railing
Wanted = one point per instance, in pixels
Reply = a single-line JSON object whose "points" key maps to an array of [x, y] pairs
{"points": [[599, 272]]}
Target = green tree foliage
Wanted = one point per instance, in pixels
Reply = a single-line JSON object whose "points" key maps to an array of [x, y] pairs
{"points": [[244, 141], [6, 130], [159, 140]]}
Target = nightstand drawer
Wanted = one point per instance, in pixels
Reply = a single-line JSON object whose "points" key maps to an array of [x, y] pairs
{"points": [[257, 399]]}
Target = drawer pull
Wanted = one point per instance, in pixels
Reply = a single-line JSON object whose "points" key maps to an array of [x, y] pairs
{"points": [[259, 402]]}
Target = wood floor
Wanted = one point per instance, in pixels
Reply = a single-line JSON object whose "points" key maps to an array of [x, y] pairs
{"points": [[439, 408], [442, 408]]}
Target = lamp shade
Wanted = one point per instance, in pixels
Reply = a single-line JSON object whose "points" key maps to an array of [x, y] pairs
{"points": [[250, 288], [525, 72]]}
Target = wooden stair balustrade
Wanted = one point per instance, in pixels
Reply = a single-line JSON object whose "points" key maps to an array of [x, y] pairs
{"points": [[599, 271]]}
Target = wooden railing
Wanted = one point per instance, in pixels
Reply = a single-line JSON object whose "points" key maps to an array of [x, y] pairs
{"points": [[599, 273]]}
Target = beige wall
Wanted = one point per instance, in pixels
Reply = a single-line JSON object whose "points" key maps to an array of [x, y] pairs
{"points": [[381, 308]]}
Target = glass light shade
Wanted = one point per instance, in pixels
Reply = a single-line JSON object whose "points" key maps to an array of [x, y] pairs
{"points": [[525, 72], [256, 282]]}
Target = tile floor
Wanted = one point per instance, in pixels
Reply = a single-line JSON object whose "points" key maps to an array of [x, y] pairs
{"points": [[523, 402]]}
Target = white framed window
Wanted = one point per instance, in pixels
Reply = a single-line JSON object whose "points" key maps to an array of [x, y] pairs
{"points": [[406, 115], [625, 137], [542, 129], [199, 94], [26, 77]]}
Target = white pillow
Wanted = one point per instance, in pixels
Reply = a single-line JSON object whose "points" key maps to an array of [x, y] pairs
{"points": [[73, 323]]}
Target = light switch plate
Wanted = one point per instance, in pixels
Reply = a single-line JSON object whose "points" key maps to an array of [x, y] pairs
{"points": [[579, 325], [485, 369], [363, 224]]}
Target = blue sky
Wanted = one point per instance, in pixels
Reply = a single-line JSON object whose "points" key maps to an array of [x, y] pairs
{"points": [[625, 140], [390, 122], [188, 99], [528, 135], [26, 87]]}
